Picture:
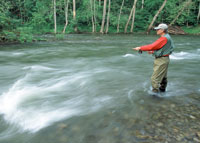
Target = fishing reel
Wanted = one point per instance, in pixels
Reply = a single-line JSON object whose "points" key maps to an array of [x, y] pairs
{"points": [[140, 51]]}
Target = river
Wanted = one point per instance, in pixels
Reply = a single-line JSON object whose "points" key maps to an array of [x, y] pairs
{"points": [[95, 89]]}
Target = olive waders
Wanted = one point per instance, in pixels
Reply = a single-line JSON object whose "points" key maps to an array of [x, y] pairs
{"points": [[159, 76]]}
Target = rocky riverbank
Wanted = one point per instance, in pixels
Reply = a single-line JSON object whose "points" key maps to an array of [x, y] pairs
{"points": [[170, 121], [176, 30]]}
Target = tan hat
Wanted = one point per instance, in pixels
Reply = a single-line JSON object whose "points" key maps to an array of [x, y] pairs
{"points": [[161, 26]]}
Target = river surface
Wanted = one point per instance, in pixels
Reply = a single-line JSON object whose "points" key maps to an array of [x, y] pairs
{"points": [[95, 89]]}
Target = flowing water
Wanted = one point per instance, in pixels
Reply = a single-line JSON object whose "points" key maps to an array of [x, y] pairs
{"points": [[94, 88]]}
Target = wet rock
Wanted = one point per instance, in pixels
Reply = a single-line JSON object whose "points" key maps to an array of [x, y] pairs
{"points": [[180, 137], [192, 117], [172, 105], [168, 140], [63, 139], [76, 129], [175, 130], [126, 116], [186, 135], [139, 135], [116, 130], [158, 139], [196, 140], [198, 134], [106, 140], [90, 139], [62, 126], [143, 136], [159, 124]]}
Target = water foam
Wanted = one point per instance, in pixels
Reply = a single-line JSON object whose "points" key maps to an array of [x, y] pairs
{"points": [[10, 54], [184, 55], [18, 54], [38, 68], [33, 106], [128, 55], [25, 106]]}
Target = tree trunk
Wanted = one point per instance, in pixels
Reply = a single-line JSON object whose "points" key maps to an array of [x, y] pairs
{"points": [[188, 14], [119, 16], [198, 14], [125, 30], [54, 7], [133, 19], [92, 16], [74, 14], [154, 18], [108, 17], [99, 2], [66, 15], [103, 18], [181, 11], [95, 17], [142, 4]]}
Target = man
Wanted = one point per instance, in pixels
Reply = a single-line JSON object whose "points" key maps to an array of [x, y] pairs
{"points": [[161, 49]]}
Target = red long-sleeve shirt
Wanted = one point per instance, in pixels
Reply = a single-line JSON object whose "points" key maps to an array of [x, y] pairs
{"points": [[158, 44]]}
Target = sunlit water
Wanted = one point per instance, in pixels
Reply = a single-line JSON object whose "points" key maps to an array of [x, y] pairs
{"points": [[46, 83]]}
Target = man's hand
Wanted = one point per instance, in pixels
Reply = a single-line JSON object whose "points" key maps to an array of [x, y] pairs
{"points": [[137, 48]]}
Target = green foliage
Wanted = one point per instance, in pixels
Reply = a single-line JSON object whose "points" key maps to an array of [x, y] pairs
{"points": [[10, 36], [192, 30], [17, 35], [21, 19], [60, 36]]}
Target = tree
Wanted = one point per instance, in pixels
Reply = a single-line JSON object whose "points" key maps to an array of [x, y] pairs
{"points": [[93, 14], [92, 17], [66, 14], [133, 9], [55, 25], [119, 16], [108, 16], [95, 21], [133, 19], [188, 13], [104, 15], [142, 4], [154, 18], [74, 15], [181, 11], [198, 14]]}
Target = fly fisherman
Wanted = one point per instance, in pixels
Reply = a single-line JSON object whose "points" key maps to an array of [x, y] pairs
{"points": [[161, 49]]}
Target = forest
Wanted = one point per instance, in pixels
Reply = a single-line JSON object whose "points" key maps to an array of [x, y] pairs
{"points": [[21, 20]]}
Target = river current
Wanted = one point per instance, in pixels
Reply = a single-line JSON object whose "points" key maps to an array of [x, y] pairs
{"points": [[74, 90]]}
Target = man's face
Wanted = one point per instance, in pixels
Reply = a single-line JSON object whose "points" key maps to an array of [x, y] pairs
{"points": [[159, 31]]}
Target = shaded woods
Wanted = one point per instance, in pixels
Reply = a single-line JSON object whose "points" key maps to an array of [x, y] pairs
{"points": [[21, 19]]}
